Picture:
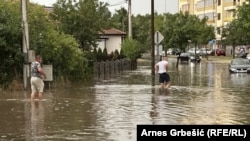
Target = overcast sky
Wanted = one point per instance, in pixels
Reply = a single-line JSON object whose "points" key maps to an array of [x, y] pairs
{"points": [[138, 6]]}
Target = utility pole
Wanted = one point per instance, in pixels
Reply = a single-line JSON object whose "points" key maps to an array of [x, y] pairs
{"points": [[25, 43], [153, 43], [129, 20]]}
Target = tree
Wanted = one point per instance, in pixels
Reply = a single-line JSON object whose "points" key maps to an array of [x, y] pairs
{"points": [[10, 43], [116, 55], [99, 55], [243, 17], [182, 27], [105, 54], [237, 32], [83, 20], [120, 19], [57, 48], [141, 30], [132, 49]]}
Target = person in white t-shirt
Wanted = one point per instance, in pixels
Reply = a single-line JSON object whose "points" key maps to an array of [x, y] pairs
{"points": [[161, 68]]}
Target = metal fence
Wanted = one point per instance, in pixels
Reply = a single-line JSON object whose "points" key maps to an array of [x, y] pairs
{"points": [[108, 69]]}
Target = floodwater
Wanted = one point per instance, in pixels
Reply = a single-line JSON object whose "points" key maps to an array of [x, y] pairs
{"points": [[109, 110]]}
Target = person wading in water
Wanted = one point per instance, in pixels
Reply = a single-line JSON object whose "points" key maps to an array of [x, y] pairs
{"points": [[161, 68], [36, 81]]}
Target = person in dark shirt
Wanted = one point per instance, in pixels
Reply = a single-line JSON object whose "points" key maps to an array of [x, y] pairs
{"points": [[37, 75]]}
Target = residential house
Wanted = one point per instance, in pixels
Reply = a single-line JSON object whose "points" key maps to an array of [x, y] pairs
{"points": [[111, 39]]}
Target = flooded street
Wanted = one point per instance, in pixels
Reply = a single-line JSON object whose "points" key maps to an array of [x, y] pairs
{"points": [[109, 110]]}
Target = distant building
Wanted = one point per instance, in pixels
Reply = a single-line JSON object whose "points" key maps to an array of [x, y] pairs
{"points": [[111, 39], [218, 12], [49, 9]]}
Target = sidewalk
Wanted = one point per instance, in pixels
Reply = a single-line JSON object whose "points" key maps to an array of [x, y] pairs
{"points": [[218, 59], [146, 57]]}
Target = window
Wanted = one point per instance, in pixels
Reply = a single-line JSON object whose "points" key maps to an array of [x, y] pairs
{"points": [[218, 15], [218, 30], [219, 2]]}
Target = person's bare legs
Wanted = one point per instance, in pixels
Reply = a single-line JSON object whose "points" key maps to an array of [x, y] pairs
{"points": [[32, 96], [40, 95], [162, 85], [167, 85]]}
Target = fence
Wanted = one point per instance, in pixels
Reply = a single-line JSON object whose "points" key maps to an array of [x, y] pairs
{"points": [[108, 69]]}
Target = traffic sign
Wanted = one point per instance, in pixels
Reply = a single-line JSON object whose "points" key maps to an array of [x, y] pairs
{"points": [[158, 37]]}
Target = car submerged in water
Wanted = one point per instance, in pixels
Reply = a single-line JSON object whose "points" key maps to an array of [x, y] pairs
{"points": [[239, 65], [184, 57], [195, 58]]}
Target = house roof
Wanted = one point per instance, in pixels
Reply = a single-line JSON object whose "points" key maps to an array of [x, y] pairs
{"points": [[112, 31], [49, 8]]}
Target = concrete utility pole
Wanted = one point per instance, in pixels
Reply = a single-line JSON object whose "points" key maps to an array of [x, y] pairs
{"points": [[153, 43], [129, 19], [25, 43]]}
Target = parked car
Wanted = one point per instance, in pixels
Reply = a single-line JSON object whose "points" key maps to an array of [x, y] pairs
{"points": [[184, 56], [220, 51], [248, 56], [238, 65], [173, 51], [205, 51], [244, 55], [195, 58]]}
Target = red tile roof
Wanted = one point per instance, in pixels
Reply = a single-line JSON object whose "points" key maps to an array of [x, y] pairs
{"points": [[112, 31]]}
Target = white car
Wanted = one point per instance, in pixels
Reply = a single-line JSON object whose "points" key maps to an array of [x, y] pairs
{"points": [[248, 56], [170, 51], [204, 51], [173, 51], [194, 51], [239, 65]]}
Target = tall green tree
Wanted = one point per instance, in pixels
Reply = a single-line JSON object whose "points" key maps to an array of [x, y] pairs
{"points": [[57, 48], [237, 32], [10, 43], [180, 28], [243, 17], [83, 20], [142, 30], [120, 20]]}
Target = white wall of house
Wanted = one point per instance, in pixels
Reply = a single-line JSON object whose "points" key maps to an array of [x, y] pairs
{"points": [[101, 44], [112, 43]]}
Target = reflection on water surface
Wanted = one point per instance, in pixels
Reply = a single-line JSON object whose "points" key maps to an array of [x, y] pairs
{"points": [[110, 109]]}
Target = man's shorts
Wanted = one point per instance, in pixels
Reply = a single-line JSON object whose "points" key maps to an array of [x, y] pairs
{"points": [[37, 84], [164, 77]]}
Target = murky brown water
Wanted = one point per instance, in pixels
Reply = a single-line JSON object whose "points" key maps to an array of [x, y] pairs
{"points": [[109, 110]]}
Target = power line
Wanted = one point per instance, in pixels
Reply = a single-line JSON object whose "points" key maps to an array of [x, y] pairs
{"points": [[119, 3]]}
